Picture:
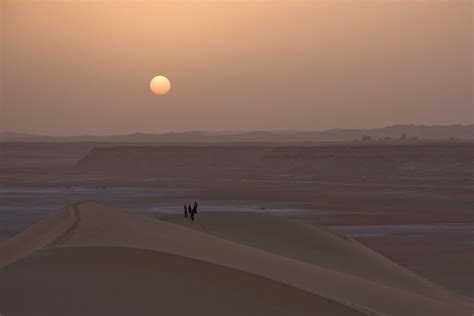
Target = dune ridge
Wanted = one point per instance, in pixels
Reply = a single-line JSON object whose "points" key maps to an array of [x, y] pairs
{"points": [[88, 225]]}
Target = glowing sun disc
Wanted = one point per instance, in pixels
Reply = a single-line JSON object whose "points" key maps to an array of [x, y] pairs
{"points": [[160, 85]]}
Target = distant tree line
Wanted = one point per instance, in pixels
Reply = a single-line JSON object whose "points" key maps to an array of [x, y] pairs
{"points": [[404, 137]]}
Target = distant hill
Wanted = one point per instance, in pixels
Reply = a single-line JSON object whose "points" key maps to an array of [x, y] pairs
{"points": [[386, 134]]}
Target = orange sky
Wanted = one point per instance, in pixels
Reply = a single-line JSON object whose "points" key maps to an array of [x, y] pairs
{"points": [[83, 67]]}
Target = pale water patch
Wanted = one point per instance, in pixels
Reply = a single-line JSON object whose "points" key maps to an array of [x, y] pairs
{"points": [[385, 230], [21, 207]]}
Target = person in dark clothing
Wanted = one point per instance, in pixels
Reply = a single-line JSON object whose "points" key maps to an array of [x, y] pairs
{"points": [[195, 207], [191, 212], [185, 210]]}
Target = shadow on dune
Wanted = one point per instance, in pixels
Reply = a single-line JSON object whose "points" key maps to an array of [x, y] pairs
{"points": [[130, 281]]}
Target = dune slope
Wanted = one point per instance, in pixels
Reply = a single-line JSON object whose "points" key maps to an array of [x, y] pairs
{"points": [[128, 281], [313, 244]]}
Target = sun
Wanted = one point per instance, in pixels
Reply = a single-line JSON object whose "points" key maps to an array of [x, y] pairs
{"points": [[160, 85]]}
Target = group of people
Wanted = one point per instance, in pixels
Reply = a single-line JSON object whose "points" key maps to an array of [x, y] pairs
{"points": [[192, 210]]}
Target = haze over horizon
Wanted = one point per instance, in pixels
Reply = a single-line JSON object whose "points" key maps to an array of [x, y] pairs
{"points": [[75, 68]]}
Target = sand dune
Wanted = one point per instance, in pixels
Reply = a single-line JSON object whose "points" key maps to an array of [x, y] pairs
{"points": [[316, 245], [99, 260]]}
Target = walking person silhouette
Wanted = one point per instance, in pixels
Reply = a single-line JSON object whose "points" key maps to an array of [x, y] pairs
{"points": [[195, 208], [185, 210], [191, 211]]}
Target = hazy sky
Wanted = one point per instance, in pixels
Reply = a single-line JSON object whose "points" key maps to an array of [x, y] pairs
{"points": [[83, 67]]}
